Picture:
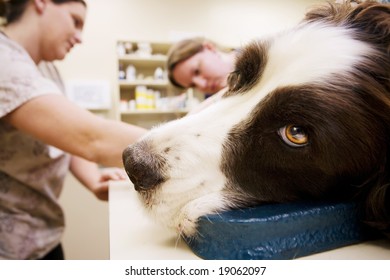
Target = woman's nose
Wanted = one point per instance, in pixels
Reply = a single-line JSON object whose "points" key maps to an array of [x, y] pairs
{"points": [[78, 37], [199, 82]]}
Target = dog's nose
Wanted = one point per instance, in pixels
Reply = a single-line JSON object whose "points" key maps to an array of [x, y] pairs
{"points": [[144, 168]]}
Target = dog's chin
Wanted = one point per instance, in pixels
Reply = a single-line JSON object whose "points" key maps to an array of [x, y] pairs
{"points": [[181, 213], [174, 217]]}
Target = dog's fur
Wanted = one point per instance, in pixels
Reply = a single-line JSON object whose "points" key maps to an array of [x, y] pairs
{"points": [[306, 117]]}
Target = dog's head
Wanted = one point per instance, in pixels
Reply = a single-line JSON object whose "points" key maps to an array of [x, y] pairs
{"points": [[306, 117]]}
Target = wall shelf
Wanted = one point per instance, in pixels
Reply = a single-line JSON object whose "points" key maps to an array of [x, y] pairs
{"points": [[146, 57], [149, 83]]}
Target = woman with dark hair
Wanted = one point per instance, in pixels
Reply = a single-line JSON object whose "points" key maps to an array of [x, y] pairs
{"points": [[42, 134]]}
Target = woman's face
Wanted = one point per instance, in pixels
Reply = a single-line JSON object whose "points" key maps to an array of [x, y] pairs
{"points": [[63, 24], [206, 71]]}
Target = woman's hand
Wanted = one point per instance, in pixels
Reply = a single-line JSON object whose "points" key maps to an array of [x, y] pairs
{"points": [[107, 175], [94, 178]]}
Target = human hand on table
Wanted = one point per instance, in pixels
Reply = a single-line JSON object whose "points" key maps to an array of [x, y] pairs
{"points": [[107, 175]]}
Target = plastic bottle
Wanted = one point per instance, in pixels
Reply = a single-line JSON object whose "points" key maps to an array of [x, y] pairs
{"points": [[158, 74], [121, 73], [120, 49], [130, 73]]}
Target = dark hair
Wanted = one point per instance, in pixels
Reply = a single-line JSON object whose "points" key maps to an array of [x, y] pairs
{"points": [[12, 10]]}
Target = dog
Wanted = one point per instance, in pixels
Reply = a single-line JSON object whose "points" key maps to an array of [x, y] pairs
{"points": [[306, 117]]}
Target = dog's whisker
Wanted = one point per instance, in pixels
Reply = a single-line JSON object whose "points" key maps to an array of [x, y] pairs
{"points": [[178, 237]]}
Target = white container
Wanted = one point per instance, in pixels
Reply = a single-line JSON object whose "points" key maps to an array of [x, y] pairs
{"points": [[132, 105], [158, 74], [120, 49], [123, 105], [130, 73]]}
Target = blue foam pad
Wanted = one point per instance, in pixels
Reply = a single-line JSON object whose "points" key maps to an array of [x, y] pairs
{"points": [[278, 231]]}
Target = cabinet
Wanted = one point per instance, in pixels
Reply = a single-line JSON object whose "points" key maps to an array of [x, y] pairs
{"points": [[145, 95]]}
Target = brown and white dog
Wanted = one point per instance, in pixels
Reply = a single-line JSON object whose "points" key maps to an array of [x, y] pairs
{"points": [[306, 117]]}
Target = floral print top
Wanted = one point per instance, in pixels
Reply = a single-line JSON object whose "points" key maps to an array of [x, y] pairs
{"points": [[31, 172]]}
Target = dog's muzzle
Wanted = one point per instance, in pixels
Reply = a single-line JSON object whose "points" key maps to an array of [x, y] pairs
{"points": [[144, 168]]}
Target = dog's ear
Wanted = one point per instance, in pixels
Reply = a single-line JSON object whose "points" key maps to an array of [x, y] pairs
{"points": [[374, 20], [335, 13], [375, 198], [249, 65], [375, 194], [371, 18]]}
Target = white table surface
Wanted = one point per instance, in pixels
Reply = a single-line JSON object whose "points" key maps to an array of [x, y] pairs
{"points": [[135, 236]]}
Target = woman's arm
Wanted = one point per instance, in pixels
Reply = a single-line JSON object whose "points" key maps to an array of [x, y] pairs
{"points": [[58, 122]]}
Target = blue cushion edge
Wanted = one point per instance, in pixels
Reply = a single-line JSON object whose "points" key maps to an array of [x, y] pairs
{"points": [[278, 231]]}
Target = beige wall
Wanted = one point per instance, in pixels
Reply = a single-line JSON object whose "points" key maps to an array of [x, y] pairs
{"points": [[231, 22]]}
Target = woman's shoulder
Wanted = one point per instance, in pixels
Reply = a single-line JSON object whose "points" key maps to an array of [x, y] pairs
{"points": [[10, 47], [20, 78], [14, 58]]}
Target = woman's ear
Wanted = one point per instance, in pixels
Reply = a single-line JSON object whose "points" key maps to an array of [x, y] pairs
{"points": [[40, 5]]}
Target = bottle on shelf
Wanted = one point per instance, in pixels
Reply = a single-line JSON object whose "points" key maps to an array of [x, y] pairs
{"points": [[120, 49], [132, 105], [191, 101], [121, 72], [130, 73], [128, 47], [123, 105], [141, 100], [159, 74]]}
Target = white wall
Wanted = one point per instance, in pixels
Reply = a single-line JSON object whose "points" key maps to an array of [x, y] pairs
{"points": [[230, 22]]}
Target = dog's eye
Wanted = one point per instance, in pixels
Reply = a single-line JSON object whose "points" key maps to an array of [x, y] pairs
{"points": [[294, 135]]}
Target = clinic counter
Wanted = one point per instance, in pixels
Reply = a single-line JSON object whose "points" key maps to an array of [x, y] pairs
{"points": [[134, 236]]}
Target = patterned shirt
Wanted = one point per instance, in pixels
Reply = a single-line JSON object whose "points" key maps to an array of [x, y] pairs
{"points": [[31, 172]]}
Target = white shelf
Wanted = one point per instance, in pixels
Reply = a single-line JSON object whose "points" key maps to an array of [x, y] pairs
{"points": [[149, 61], [145, 66]]}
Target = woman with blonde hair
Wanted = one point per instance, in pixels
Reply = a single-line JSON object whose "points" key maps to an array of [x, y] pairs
{"points": [[200, 63]]}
